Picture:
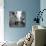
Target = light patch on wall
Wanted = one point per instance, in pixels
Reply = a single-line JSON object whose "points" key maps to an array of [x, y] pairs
{"points": [[1, 3], [1, 24]]}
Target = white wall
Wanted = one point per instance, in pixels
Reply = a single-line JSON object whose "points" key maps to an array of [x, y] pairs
{"points": [[43, 6], [1, 21]]}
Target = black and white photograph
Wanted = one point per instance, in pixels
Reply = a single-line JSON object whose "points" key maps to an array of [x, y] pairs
{"points": [[17, 19]]}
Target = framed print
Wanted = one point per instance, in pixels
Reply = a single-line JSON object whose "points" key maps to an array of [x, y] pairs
{"points": [[17, 19]]}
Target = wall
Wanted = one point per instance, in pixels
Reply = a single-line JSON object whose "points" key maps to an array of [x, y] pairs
{"points": [[30, 7], [43, 6], [1, 21]]}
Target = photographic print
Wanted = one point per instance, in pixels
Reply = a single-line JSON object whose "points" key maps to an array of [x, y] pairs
{"points": [[17, 19]]}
